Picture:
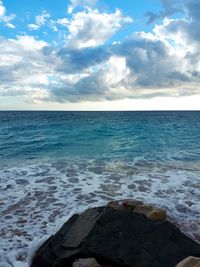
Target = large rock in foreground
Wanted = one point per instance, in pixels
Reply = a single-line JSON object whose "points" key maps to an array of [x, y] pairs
{"points": [[116, 237]]}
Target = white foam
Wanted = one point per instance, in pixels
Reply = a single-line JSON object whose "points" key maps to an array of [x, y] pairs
{"points": [[37, 199]]}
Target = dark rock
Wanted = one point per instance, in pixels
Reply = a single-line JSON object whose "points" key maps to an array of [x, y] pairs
{"points": [[90, 262], [116, 237]]}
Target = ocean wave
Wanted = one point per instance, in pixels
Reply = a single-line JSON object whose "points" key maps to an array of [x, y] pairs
{"points": [[35, 199]]}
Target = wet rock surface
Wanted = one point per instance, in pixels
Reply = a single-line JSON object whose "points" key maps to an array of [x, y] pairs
{"points": [[120, 234], [90, 262], [189, 262]]}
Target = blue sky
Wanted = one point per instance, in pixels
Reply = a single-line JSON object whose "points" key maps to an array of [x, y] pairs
{"points": [[28, 10], [107, 55]]}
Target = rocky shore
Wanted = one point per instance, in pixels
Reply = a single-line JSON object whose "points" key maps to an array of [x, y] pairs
{"points": [[122, 234]]}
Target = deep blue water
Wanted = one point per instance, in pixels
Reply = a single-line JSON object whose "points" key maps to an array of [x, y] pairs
{"points": [[55, 163]]}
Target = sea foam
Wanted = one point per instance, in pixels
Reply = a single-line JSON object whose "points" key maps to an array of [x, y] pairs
{"points": [[37, 199]]}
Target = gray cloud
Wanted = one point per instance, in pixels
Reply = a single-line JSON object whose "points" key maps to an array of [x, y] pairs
{"points": [[189, 26], [193, 7], [149, 65], [76, 60], [150, 62], [170, 7], [90, 88]]}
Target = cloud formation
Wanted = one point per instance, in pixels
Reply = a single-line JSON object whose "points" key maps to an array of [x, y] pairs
{"points": [[5, 19], [89, 67], [170, 7], [40, 21], [24, 68], [2, 10], [91, 28], [80, 3]]}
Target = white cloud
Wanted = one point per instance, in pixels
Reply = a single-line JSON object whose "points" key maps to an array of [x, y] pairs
{"points": [[33, 27], [73, 5], [2, 10], [64, 22], [25, 68], [10, 25], [44, 19], [91, 28], [4, 18], [115, 74], [81, 3], [40, 21]]}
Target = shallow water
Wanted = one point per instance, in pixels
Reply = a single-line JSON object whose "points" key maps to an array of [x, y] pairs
{"points": [[56, 163]]}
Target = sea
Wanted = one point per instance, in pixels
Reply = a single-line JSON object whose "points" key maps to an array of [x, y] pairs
{"points": [[53, 164]]}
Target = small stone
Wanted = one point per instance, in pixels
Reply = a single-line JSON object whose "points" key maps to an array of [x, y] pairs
{"points": [[114, 205], [157, 215], [130, 204], [189, 262], [143, 209], [90, 262], [151, 212], [125, 205]]}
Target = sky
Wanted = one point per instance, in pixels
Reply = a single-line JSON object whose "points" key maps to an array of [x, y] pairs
{"points": [[99, 55]]}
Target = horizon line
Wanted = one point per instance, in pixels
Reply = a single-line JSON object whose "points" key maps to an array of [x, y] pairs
{"points": [[145, 110]]}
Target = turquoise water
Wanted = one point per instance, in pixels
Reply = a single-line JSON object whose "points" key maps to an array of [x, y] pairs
{"points": [[125, 135], [55, 163]]}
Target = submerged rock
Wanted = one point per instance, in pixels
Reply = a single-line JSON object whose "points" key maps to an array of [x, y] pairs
{"points": [[120, 234]]}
